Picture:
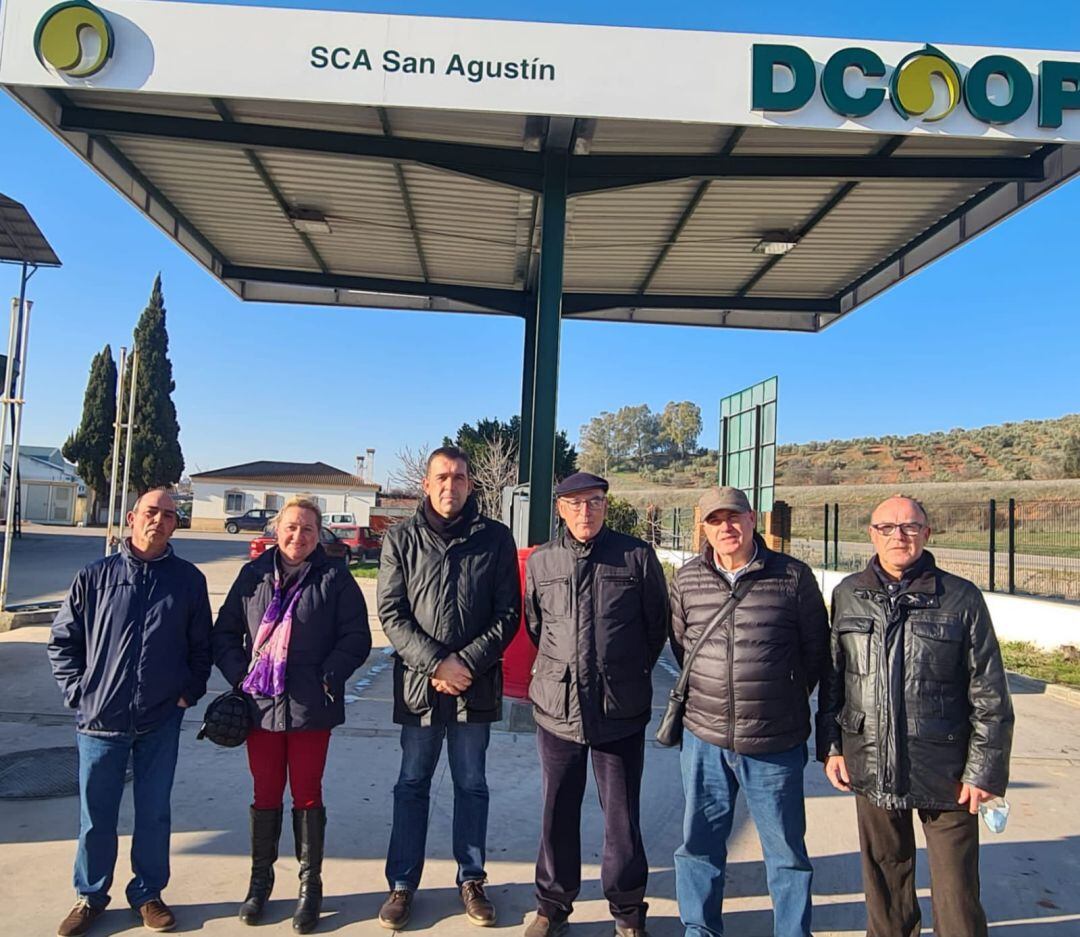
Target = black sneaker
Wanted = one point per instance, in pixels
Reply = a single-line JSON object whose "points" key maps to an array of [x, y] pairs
{"points": [[79, 919], [395, 911], [478, 907]]}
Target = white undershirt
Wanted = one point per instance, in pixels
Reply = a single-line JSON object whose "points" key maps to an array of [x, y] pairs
{"points": [[733, 574]]}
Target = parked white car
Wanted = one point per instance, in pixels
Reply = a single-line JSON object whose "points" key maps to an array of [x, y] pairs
{"points": [[331, 519]]}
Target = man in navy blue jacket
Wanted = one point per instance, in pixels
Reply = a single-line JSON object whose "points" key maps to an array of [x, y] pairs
{"points": [[130, 649]]}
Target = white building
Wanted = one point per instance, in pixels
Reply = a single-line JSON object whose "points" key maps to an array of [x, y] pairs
{"points": [[228, 492], [49, 488]]}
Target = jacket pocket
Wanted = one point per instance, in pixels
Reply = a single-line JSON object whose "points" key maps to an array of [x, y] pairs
{"points": [[619, 600], [554, 597], [851, 720], [484, 694], [627, 691], [937, 642], [549, 688], [854, 636], [413, 691]]}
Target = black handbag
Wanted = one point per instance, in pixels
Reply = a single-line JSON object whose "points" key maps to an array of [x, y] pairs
{"points": [[669, 732], [227, 719]]}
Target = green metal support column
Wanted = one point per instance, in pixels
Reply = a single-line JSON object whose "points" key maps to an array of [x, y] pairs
{"points": [[548, 325], [528, 393]]}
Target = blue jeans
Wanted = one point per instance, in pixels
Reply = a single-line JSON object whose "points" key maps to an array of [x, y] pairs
{"points": [[466, 745], [773, 785], [102, 765]]}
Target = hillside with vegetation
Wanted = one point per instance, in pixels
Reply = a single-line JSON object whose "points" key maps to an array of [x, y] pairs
{"points": [[636, 449]]}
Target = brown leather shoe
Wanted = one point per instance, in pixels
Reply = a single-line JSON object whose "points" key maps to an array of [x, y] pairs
{"points": [[396, 910], [79, 919], [621, 930], [541, 926], [156, 916], [478, 907]]}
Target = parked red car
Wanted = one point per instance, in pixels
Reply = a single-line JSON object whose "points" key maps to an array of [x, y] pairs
{"points": [[362, 542], [331, 544]]}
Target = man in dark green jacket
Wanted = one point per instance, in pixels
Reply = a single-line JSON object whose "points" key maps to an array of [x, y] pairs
{"points": [[596, 607], [915, 715], [449, 601]]}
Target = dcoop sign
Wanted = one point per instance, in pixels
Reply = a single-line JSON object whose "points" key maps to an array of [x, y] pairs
{"points": [[925, 85]]}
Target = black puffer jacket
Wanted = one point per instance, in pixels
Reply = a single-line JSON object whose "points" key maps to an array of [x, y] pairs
{"points": [[436, 598], [915, 697], [330, 639], [750, 684], [598, 614]]}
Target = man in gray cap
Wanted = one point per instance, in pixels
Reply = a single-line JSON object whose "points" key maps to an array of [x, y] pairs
{"points": [[596, 607], [747, 712]]}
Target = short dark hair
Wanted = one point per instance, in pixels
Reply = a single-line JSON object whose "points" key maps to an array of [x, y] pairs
{"points": [[449, 452]]}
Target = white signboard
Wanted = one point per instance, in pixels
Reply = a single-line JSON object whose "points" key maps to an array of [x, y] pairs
{"points": [[539, 68]]}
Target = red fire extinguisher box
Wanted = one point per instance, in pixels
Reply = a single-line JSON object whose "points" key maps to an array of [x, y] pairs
{"points": [[519, 656]]}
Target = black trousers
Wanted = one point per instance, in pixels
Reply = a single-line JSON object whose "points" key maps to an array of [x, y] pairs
{"points": [[624, 870], [887, 838]]}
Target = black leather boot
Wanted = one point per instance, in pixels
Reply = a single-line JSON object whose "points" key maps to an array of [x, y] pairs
{"points": [[309, 828], [265, 833]]}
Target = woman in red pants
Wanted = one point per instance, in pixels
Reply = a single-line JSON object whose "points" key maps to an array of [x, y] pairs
{"points": [[293, 629]]}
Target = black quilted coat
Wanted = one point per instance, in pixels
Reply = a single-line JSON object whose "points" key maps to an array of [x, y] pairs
{"points": [[750, 684]]}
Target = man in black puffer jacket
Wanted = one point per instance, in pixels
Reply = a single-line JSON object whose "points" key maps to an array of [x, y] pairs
{"points": [[450, 602], [596, 607], [915, 715], [747, 712]]}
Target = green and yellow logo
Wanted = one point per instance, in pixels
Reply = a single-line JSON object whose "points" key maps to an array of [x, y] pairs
{"points": [[74, 38], [912, 86]]}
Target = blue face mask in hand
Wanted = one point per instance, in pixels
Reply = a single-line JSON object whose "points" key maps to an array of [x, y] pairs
{"points": [[995, 814]]}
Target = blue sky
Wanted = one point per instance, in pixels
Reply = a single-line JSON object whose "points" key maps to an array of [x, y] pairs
{"points": [[990, 333]]}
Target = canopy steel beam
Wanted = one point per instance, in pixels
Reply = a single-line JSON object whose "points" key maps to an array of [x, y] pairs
{"points": [[514, 302], [983, 210], [503, 165], [688, 212], [883, 152], [600, 173], [406, 199], [577, 303], [549, 296], [523, 170], [275, 193]]}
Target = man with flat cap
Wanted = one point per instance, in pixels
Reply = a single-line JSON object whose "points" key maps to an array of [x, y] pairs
{"points": [[596, 608], [747, 713]]}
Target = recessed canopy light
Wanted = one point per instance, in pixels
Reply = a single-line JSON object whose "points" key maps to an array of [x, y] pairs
{"points": [[309, 220], [774, 244]]}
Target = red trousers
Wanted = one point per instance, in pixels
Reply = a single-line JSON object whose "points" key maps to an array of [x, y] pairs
{"points": [[299, 755]]}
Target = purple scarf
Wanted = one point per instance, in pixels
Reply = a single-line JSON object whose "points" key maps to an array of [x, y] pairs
{"points": [[271, 650]]}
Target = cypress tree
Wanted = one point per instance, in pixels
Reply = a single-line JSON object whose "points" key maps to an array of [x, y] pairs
{"points": [[156, 459], [90, 446]]}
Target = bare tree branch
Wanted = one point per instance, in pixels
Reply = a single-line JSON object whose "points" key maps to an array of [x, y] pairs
{"points": [[494, 467], [412, 470]]}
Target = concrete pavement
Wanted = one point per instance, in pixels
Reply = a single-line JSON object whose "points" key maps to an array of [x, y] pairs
{"points": [[1029, 872]]}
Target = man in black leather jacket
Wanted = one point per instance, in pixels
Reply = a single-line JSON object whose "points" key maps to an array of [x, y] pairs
{"points": [[449, 601], [596, 607], [915, 715]]}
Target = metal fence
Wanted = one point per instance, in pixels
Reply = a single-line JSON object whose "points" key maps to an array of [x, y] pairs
{"points": [[1019, 547]]}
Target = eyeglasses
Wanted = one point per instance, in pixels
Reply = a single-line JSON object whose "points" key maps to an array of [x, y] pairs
{"points": [[592, 504], [908, 530]]}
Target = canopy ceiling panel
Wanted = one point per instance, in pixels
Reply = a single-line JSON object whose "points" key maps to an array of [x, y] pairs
{"points": [[340, 180]]}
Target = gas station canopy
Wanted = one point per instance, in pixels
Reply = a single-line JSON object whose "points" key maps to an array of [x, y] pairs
{"points": [[544, 171]]}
